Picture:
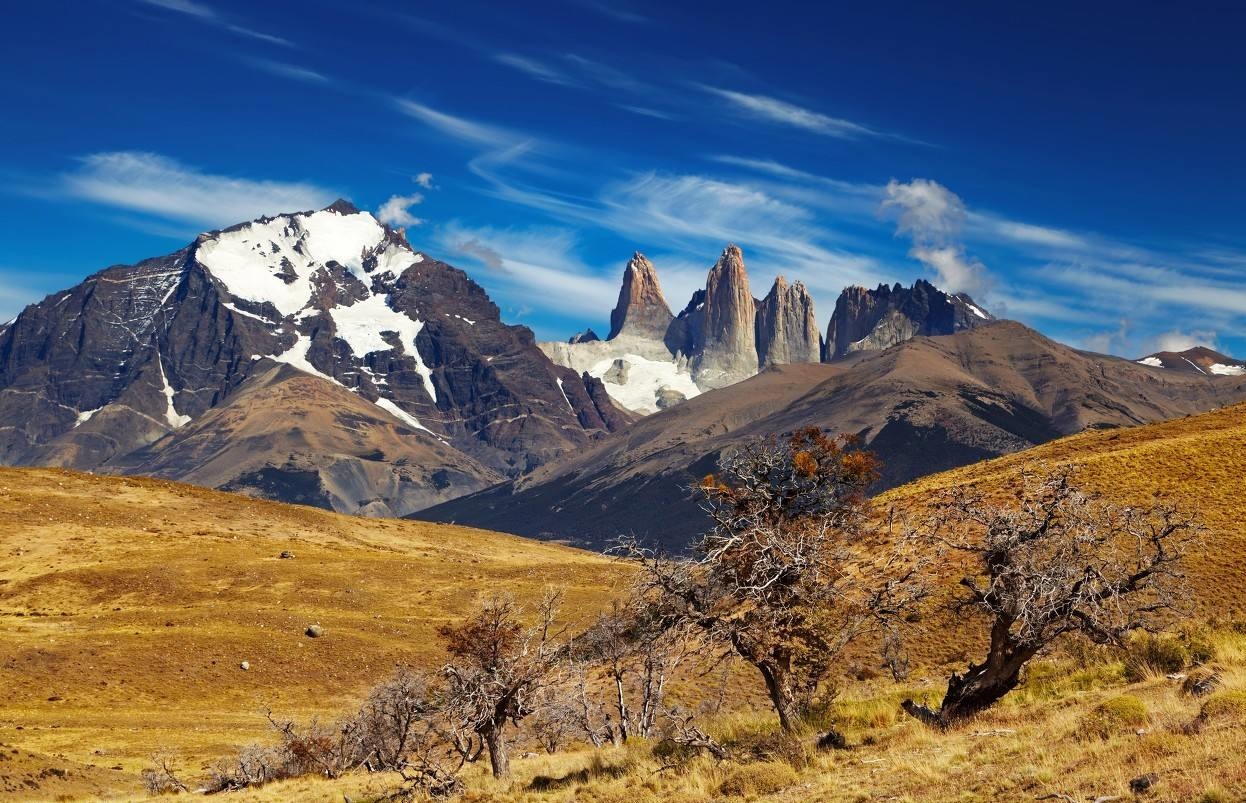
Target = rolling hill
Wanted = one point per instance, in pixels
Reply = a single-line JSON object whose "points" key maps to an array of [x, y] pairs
{"points": [[128, 605]]}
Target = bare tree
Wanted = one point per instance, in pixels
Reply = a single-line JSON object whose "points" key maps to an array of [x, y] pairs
{"points": [[163, 776], [791, 572], [1056, 561], [638, 652], [498, 667], [392, 719]]}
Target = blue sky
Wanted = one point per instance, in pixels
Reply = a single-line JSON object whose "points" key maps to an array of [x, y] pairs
{"points": [[1077, 169]]}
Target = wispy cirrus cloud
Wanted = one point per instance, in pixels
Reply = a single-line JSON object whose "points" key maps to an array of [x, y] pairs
{"points": [[536, 69], [210, 16], [781, 112], [294, 72], [461, 128], [615, 11], [166, 188]]}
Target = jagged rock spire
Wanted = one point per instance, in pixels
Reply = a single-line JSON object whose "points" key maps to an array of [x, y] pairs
{"points": [[787, 329], [642, 309], [726, 347]]}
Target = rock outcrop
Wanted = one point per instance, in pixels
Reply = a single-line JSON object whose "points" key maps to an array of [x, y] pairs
{"points": [[872, 320], [725, 349], [787, 329], [641, 310]]}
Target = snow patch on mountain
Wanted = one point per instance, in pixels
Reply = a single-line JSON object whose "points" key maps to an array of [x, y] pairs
{"points": [[1154, 362], [273, 260], [563, 391], [296, 356], [85, 416], [362, 323], [171, 414], [645, 379], [402, 415], [1220, 369]]}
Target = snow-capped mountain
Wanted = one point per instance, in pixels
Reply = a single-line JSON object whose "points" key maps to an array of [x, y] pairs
{"points": [[1197, 360], [324, 355]]}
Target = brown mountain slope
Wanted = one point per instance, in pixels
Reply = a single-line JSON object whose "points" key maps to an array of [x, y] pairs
{"points": [[285, 434], [128, 605], [926, 405]]}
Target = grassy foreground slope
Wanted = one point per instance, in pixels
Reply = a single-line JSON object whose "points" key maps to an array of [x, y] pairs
{"points": [[127, 607], [1196, 463]]}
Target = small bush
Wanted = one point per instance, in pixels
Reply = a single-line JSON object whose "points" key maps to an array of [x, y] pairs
{"points": [[1214, 796], [777, 746], [1113, 716], [762, 778], [1225, 706], [1155, 654]]}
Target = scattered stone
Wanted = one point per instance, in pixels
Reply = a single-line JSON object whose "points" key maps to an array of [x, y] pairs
{"points": [[669, 397], [1201, 684], [1143, 783], [286, 555], [244, 666], [314, 631]]}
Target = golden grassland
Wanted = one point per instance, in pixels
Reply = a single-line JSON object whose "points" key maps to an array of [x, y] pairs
{"points": [[127, 605]]}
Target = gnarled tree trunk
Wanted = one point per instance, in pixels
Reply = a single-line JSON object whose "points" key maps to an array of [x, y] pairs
{"points": [[499, 758], [982, 685]]}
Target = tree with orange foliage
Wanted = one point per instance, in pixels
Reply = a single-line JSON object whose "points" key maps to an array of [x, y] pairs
{"points": [[791, 572]]}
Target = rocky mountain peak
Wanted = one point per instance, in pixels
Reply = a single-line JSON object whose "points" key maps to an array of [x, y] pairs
{"points": [[726, 345], [342, 207], [787, 328], [1196, 360], [641, 310], [871, 320]]}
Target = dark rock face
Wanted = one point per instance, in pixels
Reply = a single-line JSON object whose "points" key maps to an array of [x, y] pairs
{"points": [[686, 330], [787, 329], [106, 375], [725, 348], [641, 310], [587, 336], [872, 320]]}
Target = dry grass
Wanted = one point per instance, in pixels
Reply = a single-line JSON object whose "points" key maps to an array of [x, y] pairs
{"points": [[128, 605], [1034, 744]]}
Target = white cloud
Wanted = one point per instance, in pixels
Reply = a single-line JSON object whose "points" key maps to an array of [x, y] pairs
{"points": [[537, 264], [397, 210], [291, 71], [1028, 234], [789, 114], [932, 216], [459, 127], [210, 16], [535, 69], [425, 180], [158, 185], [1178, 340]]}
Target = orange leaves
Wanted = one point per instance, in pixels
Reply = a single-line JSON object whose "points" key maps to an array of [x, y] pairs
{"points": [[805, 463]]}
